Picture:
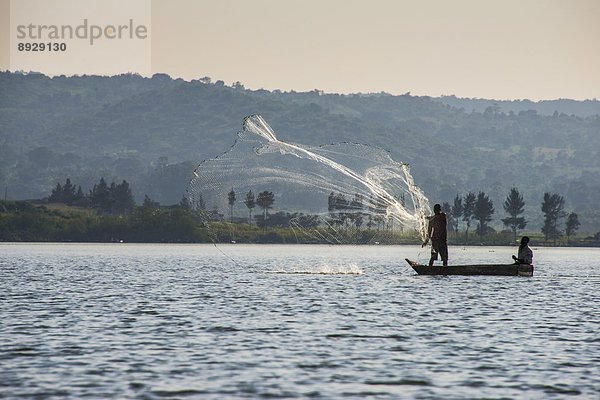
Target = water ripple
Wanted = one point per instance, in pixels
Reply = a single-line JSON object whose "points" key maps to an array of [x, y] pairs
{"points": [[139, 321]]}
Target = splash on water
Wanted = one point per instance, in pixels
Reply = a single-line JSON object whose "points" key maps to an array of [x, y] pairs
{"points": [[323, 269], [336, 193]]}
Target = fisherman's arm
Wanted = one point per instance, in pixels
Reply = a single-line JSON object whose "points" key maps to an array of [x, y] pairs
{"points": [[429, 234]]}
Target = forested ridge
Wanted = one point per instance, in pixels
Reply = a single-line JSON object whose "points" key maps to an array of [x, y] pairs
{"points": [[152, 132]]}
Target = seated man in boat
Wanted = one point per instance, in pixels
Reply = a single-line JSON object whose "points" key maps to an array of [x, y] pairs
{"points": [[436, 231], [525, 255]]}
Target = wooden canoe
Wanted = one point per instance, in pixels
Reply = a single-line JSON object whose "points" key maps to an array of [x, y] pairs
{"points": [[476, 269]]}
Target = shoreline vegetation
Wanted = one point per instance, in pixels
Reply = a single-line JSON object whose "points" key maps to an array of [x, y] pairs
{"points": [[39, 221]]}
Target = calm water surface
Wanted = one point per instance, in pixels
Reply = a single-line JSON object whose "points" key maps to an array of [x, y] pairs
{"points": [[187, 321]]}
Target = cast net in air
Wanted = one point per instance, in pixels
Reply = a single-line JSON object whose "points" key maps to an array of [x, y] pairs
{"points": [[274, 191]]}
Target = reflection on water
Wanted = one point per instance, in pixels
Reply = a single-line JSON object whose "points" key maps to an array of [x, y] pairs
{"points": [[293, 321]]}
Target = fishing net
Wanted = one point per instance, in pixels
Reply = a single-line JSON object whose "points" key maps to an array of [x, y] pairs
{"points": [[274, 191]]}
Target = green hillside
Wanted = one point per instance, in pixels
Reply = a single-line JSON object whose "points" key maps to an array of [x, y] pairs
{"points": [[153, 131]]}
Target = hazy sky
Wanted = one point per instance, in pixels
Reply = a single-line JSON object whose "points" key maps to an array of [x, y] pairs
{"points": [[536, 49]]}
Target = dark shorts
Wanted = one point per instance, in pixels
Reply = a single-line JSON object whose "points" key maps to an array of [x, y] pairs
{"points": [[440, 248]]}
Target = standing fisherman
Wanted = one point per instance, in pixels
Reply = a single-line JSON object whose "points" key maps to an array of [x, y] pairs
{"points": [[437, 232]]}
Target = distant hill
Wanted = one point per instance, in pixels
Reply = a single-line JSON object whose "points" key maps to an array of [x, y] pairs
{"points": [[585, 108], [153, 131]]}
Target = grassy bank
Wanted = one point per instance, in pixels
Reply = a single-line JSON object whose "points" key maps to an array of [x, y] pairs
{"points": [[22, 221]]}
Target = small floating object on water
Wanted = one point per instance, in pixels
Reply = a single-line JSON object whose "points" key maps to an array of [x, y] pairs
{"points": [[376, 242], [233, 242]]}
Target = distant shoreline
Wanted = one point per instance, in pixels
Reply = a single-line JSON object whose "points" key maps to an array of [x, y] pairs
{"points": [[24, 222]]}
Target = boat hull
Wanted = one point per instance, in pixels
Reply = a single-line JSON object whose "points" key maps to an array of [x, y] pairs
{"points": [[481, 269]]}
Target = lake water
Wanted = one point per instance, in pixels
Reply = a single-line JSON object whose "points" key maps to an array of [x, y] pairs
{"points": [[255, 321]]}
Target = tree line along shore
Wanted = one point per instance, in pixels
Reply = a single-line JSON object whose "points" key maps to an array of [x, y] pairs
{"points": [[108, 213]]}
